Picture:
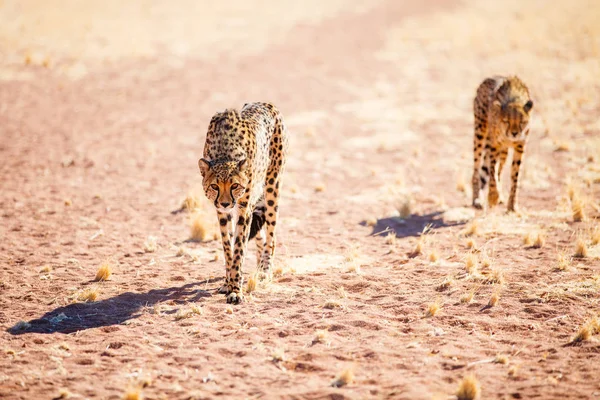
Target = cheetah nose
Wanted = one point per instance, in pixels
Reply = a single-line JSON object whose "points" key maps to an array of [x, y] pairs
{"points": [[225, 205], [515, 133]]}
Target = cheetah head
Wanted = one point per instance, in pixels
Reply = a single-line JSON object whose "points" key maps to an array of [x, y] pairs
{"points": [[224, 182], [514, 119]]}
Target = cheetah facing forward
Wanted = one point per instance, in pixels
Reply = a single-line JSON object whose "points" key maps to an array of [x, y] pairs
{"points": [[244, 156], [502, 107]]}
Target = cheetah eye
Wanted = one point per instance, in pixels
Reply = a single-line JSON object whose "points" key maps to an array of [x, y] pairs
{"points": [[214, 187], [234, 186]]}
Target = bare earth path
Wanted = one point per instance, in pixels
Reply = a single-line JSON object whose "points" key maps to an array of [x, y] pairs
{"points": [[103, 110]]}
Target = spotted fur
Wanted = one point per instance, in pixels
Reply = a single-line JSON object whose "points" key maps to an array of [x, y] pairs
{"points": [[502, 110], [244, 156]]}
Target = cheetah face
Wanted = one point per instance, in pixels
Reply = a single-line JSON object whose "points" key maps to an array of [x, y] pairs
{"points": [[224, 182], [514, 119]]}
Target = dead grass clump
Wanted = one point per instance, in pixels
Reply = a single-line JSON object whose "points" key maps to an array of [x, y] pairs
{"points": [[590, 328], [501, 359], [471, 243], [86, 295], [494, 299], [418, 247], [471, 264], [564, 262], [320, 188], [46, 269], [372, 221], [251, 284], [495, 275], [333, 304], [104, 272], [278, 355], [345, 377], [434, 256], [390, 239], [467, 298], [540, 240], [468, 389], [320, 336], [513, 371], [445, 284], [472, 229], [461, 185], [200, 230], [581, 249], [133, 394], [433, 308], [578, 205], [528, 239], [190, 203], [562, 146], [63, 394], [404, 207], [151, 244]]}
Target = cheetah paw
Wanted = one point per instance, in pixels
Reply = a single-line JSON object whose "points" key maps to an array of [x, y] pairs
{"points": [[477, 204], [235, 298], [225, 289]]}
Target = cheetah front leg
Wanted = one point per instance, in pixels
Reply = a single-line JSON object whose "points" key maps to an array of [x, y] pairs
{"points": [[226, 226], [478, 153], [242, 232], [271, 214], [501, 162], [492, 161], [516, 166]]}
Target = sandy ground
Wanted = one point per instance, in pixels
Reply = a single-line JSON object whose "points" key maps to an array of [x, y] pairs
{"points": [[103, 112]]}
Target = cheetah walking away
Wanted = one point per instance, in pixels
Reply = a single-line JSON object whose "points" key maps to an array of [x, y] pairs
{"points": [[502, 108], [244, 156]]}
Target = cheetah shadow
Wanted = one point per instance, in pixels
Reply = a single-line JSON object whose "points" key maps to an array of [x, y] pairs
{"points": [[411, 226], [112, 311]]}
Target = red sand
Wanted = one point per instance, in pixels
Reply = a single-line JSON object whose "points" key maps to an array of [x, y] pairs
{"points": [[93, 166]]}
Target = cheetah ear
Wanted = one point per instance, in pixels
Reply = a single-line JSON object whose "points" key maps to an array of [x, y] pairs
{"points": [[241, 164], [204, 166], [528, 106]]}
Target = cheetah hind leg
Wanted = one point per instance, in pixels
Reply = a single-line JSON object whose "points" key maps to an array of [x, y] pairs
{"points": [[257, 231]]}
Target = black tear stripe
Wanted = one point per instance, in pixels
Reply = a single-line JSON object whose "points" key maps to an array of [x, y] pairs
{"points": [[258, 221]]}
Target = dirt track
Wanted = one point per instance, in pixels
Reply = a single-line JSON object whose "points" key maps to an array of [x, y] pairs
{"points": [[103, 111]]}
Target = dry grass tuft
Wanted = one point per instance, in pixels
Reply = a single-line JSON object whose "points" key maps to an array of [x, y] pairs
{"points": [[251, 284], [372, 221], [404, 207], [564, 262], [434, 256], [278, 355], [581, 249], [562, 146], [513, 371], [433, 308], [320, 188], [333, 304], [345, 377], [390, 239], [229, 310], [471, 243], [190, 203], [63, 394], [200, 230], [494, 298], [468, 389], [133, 394], [590, 328], [471, 264], [342, 292], [501, 359], [472, 229], [578, 204], [445, 284], [321, 336], [540, 240], [467, 298], [528, 239], [104, 272], [494, 276], [46, 269], [461, 185], [151, 244], [86, 295]]}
